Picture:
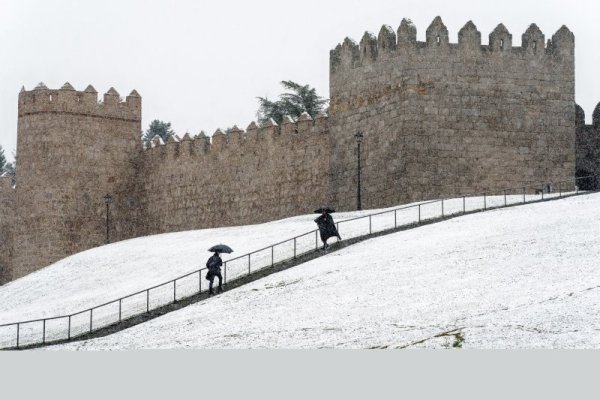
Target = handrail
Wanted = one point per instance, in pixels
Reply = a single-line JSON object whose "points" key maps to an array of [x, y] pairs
{"points": [[294, 239]]}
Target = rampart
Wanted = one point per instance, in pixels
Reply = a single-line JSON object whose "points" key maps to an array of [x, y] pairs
{"points": [[239, 178], [440, 118]]}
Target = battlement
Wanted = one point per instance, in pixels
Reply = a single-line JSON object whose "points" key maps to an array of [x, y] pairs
{"points": [[389, 44], [67, 100], [596, 116], [580, 117], [236, 139]]}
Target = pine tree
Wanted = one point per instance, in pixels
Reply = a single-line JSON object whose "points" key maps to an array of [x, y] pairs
{"points": [[160, 128], [297, 100]]}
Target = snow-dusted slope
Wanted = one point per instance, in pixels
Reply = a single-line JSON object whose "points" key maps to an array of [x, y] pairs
{"points": [[107, 273], [523, 277]]}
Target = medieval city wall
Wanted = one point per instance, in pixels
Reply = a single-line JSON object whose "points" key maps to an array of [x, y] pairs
{"points": [[238, 178], [440, 119]]}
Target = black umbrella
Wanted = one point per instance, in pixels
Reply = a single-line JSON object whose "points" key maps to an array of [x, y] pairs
{"points": [[221, 248], [327, 210]]}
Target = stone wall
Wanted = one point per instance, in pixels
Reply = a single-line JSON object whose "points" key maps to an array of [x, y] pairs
{"points": [[240, 178], [7, 223], [588, 149], [441, 119]]}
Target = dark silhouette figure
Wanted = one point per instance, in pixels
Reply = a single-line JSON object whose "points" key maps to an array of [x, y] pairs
{"points": [[327, 228], [214, 264]]}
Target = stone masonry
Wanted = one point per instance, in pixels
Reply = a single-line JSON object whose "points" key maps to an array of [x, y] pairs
{"points": [[441, 119], [438, 119]]}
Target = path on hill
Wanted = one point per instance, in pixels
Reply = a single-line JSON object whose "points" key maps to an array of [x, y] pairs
{"points": [[278, 267]]}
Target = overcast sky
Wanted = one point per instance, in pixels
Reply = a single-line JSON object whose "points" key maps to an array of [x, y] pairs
{"points": [[201, 65]]}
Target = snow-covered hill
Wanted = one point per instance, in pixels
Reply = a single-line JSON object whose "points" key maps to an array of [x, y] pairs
{"points": [[523, 277]]}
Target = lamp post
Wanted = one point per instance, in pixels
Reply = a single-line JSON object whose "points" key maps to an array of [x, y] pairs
{"points": [[359, 137], [108, 199]]}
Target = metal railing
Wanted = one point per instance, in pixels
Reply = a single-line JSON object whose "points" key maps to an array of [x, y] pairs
{"points": [[66, 327]]}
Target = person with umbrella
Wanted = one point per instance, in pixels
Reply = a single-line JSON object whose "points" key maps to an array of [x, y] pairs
{"points": [[214, 264], [326, 225]]}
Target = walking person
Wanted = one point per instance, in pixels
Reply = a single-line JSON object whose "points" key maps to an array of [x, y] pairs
{"points": [[326, 225], [214, 265]]}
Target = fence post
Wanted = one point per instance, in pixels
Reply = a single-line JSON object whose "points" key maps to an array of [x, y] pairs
{"points": [[370, 230], [419, 213], [442, 208], [560, 189], [148, 300], [44, 333], [69, 330], [18, 328], [91, 316], [316, 241], [120, 314], [395, 219], [175, 291]]}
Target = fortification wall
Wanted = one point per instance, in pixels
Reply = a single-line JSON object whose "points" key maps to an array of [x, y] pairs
{"points": [[438, 119], [239, 178], [588, 147], [441, 119], [72, 151], [7, 222]]}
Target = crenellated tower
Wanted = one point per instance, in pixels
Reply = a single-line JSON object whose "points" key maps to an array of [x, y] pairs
{"points": [[72, 151], [443, 118]]}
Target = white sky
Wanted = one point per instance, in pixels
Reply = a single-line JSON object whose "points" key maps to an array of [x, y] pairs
{"points": [[201, 65]]}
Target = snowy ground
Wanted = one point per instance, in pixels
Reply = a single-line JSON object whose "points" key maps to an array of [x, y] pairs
{"points": [[524, 277]]}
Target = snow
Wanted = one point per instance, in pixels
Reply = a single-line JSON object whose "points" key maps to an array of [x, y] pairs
{"points": [[107, 273], [522, 277]]}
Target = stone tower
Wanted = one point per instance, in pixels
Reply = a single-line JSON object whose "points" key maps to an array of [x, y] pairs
{"points": [[72, 151], [441, 119]]}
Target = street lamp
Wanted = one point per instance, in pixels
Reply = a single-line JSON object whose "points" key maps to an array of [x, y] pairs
{"points": [[359, 137], [107, 199]]}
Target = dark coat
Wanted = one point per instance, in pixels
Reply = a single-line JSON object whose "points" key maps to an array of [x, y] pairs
{"points": [[214, 264], [327, 227]]}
